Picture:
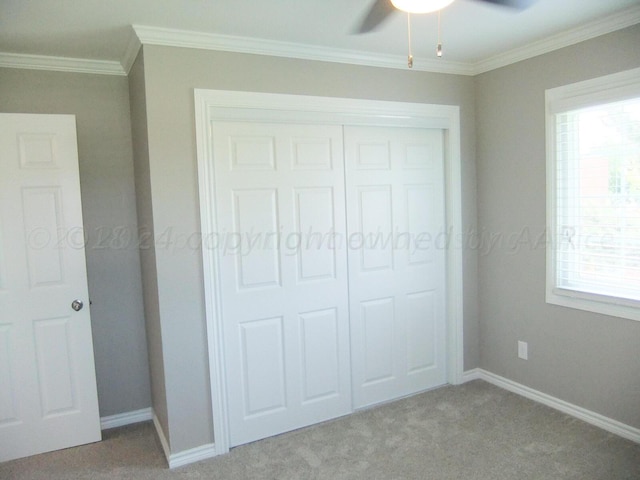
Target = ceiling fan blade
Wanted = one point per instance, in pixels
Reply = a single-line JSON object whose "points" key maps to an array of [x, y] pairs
{"points": [[518, 4], [379, 12]]}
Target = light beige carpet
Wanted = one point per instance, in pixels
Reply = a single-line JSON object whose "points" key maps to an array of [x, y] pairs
{"points": [[474, 431]]}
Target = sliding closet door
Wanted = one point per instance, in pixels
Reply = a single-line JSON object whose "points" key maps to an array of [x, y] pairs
{"points": [[283, 284], [396, 222]]}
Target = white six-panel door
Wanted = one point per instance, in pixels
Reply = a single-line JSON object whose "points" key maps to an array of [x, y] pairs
{"points": [[48, 398], [332, 299], [396, 223], [279, 201]]}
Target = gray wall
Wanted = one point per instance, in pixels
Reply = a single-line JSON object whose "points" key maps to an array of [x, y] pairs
{"points": [[144, 208], [171, 74], [101, 106], [587, 359]]}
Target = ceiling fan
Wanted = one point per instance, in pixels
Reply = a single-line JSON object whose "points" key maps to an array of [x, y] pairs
{"points": [[381, 10]]}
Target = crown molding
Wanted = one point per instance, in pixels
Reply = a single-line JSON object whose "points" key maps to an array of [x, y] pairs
{"points": [[608, 24], [145, 35], [179, 38], [60, 64], [229, 43], [131, 53]]}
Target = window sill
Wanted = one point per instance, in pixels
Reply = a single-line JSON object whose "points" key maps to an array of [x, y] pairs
{"points": [[603, 304]]}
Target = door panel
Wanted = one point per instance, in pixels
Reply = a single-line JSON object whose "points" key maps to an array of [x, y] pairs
{"points": [[48, 396], [378, 329], [42, 217], [421, 330], [320, 356], [395, 202], [314, 213], [256, 210], [279, 200], [374, 228], [55, 370], [263, 362]]}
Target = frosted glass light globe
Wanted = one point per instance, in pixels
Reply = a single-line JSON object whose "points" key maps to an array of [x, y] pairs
{"points": [[420, 6]]}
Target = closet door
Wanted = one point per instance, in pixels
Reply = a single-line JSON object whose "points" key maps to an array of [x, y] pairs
{"points": [[283, 283], [397, 242]]}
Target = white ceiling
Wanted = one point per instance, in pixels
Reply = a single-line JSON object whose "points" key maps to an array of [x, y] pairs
{"points": [[472, 32]]}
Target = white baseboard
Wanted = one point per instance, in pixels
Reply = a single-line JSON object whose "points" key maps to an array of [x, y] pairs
{"points": [[127, 418], [470, 375], [606, 423], [162, 437], [185, 457]]}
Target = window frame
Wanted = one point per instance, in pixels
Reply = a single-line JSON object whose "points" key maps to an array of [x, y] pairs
{"points": [[602, 90]]}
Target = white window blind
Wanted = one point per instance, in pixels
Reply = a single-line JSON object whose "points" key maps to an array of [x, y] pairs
{"points": [[593, 195], [597, 200]]}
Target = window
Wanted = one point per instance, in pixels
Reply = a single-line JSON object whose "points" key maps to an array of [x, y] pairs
{"points": [[593, 195]]}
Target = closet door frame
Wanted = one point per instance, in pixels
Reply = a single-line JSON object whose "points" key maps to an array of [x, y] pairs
{"points": [[219, 105]]}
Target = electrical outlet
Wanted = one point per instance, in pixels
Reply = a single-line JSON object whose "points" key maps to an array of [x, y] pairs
{"points": [[523, 350]]}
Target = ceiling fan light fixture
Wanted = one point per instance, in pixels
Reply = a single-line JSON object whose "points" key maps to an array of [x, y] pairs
{"points": [[420, 6]]}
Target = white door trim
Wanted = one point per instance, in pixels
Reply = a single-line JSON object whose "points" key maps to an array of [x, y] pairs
{"points": [[248, 106]]}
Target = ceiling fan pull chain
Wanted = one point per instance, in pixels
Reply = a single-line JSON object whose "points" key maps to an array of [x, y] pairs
{"points": [[410, 58], [439, 48]]}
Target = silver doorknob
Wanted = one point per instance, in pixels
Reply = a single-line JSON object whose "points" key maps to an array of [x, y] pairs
{"points": [[77, 305]]}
